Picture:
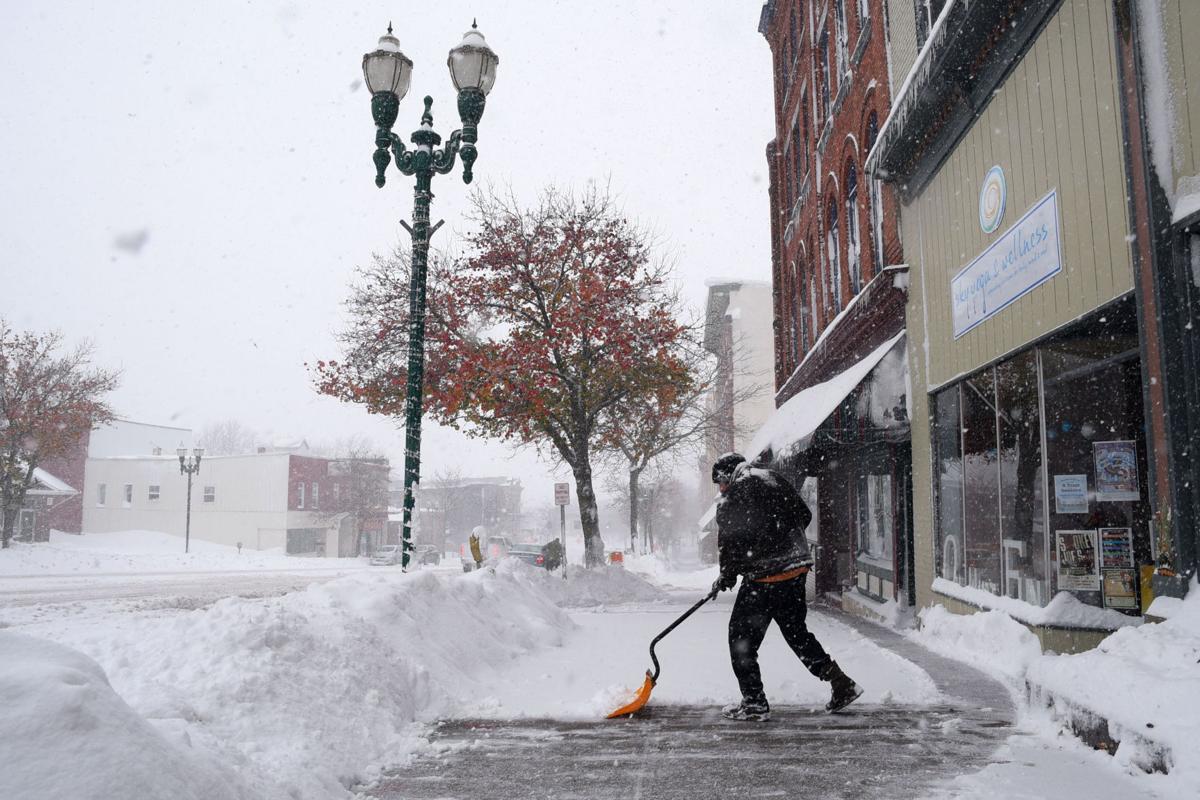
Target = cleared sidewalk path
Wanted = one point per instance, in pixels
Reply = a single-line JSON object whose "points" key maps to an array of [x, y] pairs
{"points": [[692, 752]]}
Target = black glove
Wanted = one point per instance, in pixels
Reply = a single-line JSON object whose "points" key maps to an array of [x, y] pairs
{"points": [[725, 581]]}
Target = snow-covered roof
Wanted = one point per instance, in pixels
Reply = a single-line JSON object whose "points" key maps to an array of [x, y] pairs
{"points": [[48, 485], [791, 427]]}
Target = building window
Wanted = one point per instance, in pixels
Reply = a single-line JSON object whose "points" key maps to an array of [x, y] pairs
{"points": [[834, 255], [853, 258], [101, 493], [875, 516], [804, 129], [300, 494], [876, 190], [927, 13], [127, 498], [824, 76], [794, 38], [839, 19], [337, 495], [799, 155], [864, 14], [1005, 437], [210, 494], [152, 492], [316, 496]]}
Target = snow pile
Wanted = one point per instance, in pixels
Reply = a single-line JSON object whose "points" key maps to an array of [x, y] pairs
{"points": [[990, 640], [310, 693], [1064, 610], [583, 588], [144, 551], [661, 571], [1145, 681], [60, 712]]}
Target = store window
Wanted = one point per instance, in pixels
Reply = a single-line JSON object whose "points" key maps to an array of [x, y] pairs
{"points": [[948, 485], [1022, 506], [1041, 469], [875, 521], [981, 482]]}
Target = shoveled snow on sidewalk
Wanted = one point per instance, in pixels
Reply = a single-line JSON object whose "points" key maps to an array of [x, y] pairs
{"points": [[1144, 680]]}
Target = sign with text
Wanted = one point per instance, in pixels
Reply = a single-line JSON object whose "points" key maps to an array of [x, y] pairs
{"points": [[1070, 494], [1027, 255], [562, 494], [1078, 567]]}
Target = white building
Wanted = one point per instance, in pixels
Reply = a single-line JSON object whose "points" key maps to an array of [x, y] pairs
{"points": [[264, 501]]}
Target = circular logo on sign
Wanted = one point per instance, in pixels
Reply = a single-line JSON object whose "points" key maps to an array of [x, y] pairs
{"points": [[991, 200]]}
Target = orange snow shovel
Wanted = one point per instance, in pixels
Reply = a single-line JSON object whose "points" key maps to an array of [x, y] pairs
{"points": [[643, 694]]}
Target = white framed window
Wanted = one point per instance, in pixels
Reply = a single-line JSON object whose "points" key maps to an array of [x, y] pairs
{"points": [[316, 495], [152, 492], [337, 494], [127, 497], [101, 493], [210, 494], [839, 21], [853, 247], [833, 249], [864, 13], [300, 495]]}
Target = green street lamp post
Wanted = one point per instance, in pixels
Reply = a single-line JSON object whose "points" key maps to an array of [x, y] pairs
{"points": [[388, 73]]}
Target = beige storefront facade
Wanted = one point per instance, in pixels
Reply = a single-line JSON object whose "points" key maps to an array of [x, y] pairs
{"points": [[1032, 343]]}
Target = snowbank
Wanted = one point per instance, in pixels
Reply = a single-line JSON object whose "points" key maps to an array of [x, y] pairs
{"points": [[1142, 681], [66, 733], [145, 551], [1064, 609], [1145, 681], [310, 693], [584, 588], [663, 573]]}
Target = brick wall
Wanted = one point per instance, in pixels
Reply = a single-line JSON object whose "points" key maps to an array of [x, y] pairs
{"points": [[825, 120]]}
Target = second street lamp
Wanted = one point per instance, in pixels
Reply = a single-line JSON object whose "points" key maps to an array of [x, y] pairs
{"points": [[189, 467], [388, 73]]}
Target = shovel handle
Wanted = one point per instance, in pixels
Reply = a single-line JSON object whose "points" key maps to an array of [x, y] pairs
{"points": [[671, 627]]}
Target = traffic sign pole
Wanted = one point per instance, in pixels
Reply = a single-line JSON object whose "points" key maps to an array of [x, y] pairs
{"points": [[562, 497]]}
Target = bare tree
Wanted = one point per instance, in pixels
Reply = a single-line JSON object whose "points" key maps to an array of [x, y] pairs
{"points": [[443, 493], [669, 427], [48, 401], [226, 437]]}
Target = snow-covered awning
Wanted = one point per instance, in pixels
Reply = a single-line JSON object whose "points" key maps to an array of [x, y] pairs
{"points": [[707, 517], [791, 427]]}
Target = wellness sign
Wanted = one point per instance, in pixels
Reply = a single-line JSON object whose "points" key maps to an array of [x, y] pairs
{"points": [[1023, 258]]}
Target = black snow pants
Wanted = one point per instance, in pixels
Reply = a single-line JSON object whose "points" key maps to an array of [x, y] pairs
{"points": [[757, 604]]}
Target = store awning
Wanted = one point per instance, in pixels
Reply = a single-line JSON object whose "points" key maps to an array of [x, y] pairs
{"points": [[791, 427], [47, 485]]}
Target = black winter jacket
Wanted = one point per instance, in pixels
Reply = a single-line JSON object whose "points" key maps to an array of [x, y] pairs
{"points": [[760, 525]]}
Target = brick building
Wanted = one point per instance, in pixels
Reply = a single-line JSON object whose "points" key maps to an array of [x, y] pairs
{"points": [[841, 430]]}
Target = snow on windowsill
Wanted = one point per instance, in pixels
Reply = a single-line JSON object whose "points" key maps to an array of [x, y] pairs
{"points": [[1064, 611]]}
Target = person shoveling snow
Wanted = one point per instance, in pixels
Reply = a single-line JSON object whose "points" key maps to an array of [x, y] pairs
{"points": [[760, 536]]}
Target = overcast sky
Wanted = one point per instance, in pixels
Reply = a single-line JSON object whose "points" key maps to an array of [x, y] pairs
{"points": [[190, 184]]}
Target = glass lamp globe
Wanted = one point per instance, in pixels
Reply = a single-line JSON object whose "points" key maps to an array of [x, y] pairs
{"points": [[473, 64], [386, 69]]}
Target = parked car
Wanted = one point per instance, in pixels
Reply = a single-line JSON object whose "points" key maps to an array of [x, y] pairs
{"points": [[427, 554], [386, 556], [529, 553]]}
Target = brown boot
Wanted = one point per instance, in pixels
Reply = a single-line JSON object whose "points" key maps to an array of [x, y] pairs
{"points": [[844, 690]]}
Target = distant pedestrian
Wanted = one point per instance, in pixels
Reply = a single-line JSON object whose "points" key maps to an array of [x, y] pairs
{"points": [[239, 548], [760, 536]]}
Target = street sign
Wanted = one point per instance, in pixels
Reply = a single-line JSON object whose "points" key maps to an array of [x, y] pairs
{"points": [[562, 494]]}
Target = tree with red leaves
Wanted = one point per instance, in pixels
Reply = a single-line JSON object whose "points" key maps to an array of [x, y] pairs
{"points": [[48, 401], [555, 318]]}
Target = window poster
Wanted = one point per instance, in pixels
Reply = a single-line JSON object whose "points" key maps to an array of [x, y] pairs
{"points": [[1078, 566], [1120, 589], [1116, 548], [1116, 470], [1070, 494]]}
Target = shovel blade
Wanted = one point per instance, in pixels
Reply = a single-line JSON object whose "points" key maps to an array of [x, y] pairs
{"points": [[640, 699]]}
